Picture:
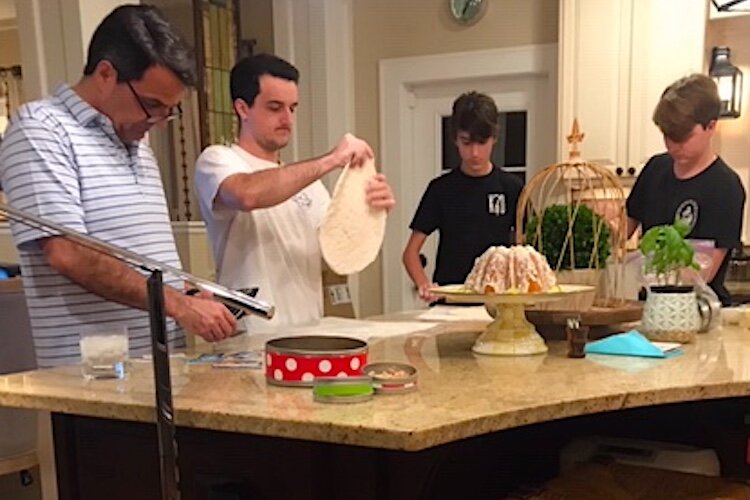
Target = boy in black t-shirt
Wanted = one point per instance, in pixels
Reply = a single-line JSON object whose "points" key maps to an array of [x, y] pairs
{"points": [[690, 181], [472, 207]]}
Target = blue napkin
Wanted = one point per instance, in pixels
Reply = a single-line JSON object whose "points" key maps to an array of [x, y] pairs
{"points": [[630, 343]]}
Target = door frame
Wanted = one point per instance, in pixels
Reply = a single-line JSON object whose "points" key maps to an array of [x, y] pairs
{"points": [[397, 79], [518, 94]]}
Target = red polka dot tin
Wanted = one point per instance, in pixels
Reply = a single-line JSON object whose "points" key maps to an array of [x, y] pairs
{"points": [[296, 361]]}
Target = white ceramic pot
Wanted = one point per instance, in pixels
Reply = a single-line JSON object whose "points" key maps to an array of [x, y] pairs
{"points": [[671, 314]]}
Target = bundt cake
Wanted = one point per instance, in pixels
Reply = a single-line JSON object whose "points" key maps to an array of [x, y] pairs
{"points": [[516, 269]]}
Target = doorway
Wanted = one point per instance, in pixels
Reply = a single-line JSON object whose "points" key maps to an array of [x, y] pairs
{"points": [[416, 95]]}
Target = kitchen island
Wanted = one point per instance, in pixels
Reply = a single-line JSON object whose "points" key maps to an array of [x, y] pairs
{"points": [[477, 425]]}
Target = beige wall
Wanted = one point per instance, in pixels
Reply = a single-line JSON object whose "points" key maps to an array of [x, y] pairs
{"points": [[732, 141], [396, 28], [10, 54], [181, 14], [194, 249], [256, 22], [8, 252]]}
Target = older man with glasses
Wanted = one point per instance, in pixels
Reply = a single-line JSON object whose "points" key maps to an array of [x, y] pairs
{"points": [[153, 119], [77, 158]]}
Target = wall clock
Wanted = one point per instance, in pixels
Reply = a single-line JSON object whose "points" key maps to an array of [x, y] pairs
{"points": [[468, 11]]}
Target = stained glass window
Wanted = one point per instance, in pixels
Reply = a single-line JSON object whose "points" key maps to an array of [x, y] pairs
{"points": [[219, 54]]}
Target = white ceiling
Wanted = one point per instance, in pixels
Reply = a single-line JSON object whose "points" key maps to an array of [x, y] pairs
{"points": [[7, 9]]}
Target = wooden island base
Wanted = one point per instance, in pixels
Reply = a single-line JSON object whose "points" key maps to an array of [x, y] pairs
{"points": [[98, 458]]}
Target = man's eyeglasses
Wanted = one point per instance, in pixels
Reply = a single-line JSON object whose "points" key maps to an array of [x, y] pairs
{"points": [[172, 112]]}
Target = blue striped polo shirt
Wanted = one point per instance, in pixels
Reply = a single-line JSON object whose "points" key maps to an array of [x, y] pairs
{"points": [[62, 160]]}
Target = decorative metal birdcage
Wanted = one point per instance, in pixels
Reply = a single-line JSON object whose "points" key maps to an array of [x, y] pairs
{"points": [[574, 214]]}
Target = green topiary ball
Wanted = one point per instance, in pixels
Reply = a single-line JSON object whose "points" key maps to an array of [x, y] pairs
{"points": [[552, 240]]}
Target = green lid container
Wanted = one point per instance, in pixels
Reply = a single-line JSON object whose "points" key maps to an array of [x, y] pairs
{"points": [[342, 389]]}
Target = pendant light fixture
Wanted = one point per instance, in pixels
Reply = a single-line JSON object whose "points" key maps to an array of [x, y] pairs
{"points": [[728, 78]]}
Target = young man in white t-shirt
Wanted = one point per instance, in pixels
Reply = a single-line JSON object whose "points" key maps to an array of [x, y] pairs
{"points": [[263, 217]]}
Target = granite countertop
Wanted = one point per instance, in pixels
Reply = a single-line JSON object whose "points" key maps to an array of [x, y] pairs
{"points": [[460, 394]]}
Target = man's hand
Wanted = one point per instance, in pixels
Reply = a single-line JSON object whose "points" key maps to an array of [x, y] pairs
{"points": [[205, 317], [379, 194], [109, 278], [351, 150]]}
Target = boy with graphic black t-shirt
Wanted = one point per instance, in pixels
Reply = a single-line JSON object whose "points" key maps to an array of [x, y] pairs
{"points": [[473, 207], [690, 181]]}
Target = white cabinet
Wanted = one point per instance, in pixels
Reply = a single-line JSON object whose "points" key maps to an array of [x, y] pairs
{"points": [[616, 58]]}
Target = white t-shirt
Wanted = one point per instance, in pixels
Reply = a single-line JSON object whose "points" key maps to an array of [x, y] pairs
{"points": [[275, 249]]}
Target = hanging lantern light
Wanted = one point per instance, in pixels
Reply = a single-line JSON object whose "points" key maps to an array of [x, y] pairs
{"points": [[728, 78], [731, 5]]}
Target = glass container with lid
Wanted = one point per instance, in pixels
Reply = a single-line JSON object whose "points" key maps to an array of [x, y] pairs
{"points": [[737, 280]]}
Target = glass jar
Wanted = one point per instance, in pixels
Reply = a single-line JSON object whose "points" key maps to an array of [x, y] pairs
{"points": [[737, 280]]}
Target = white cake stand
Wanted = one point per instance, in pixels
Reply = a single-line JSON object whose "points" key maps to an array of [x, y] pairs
{"points": [[510, 334]]}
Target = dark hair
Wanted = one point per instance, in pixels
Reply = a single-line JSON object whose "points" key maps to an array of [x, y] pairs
{"points": [[689, 101], [476, 114], [245, 77], [136, 37]]}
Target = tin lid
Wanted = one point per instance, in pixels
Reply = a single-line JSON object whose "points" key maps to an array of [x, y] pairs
{"points": [[390, 372], [316, 345], [392, 377], [342, 389]]}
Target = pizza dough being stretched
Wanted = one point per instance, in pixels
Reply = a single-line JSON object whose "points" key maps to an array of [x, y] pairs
{"points": [[519, 269], [352, 233]]}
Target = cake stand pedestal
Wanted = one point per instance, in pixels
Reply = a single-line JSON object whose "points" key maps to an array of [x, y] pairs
{"points": [[509, 334]]}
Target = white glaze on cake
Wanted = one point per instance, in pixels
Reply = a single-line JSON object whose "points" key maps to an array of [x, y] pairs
{"points": [[519, 269]]}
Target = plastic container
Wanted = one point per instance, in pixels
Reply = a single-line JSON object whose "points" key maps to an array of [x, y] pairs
{"points": [[342, 389]]}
